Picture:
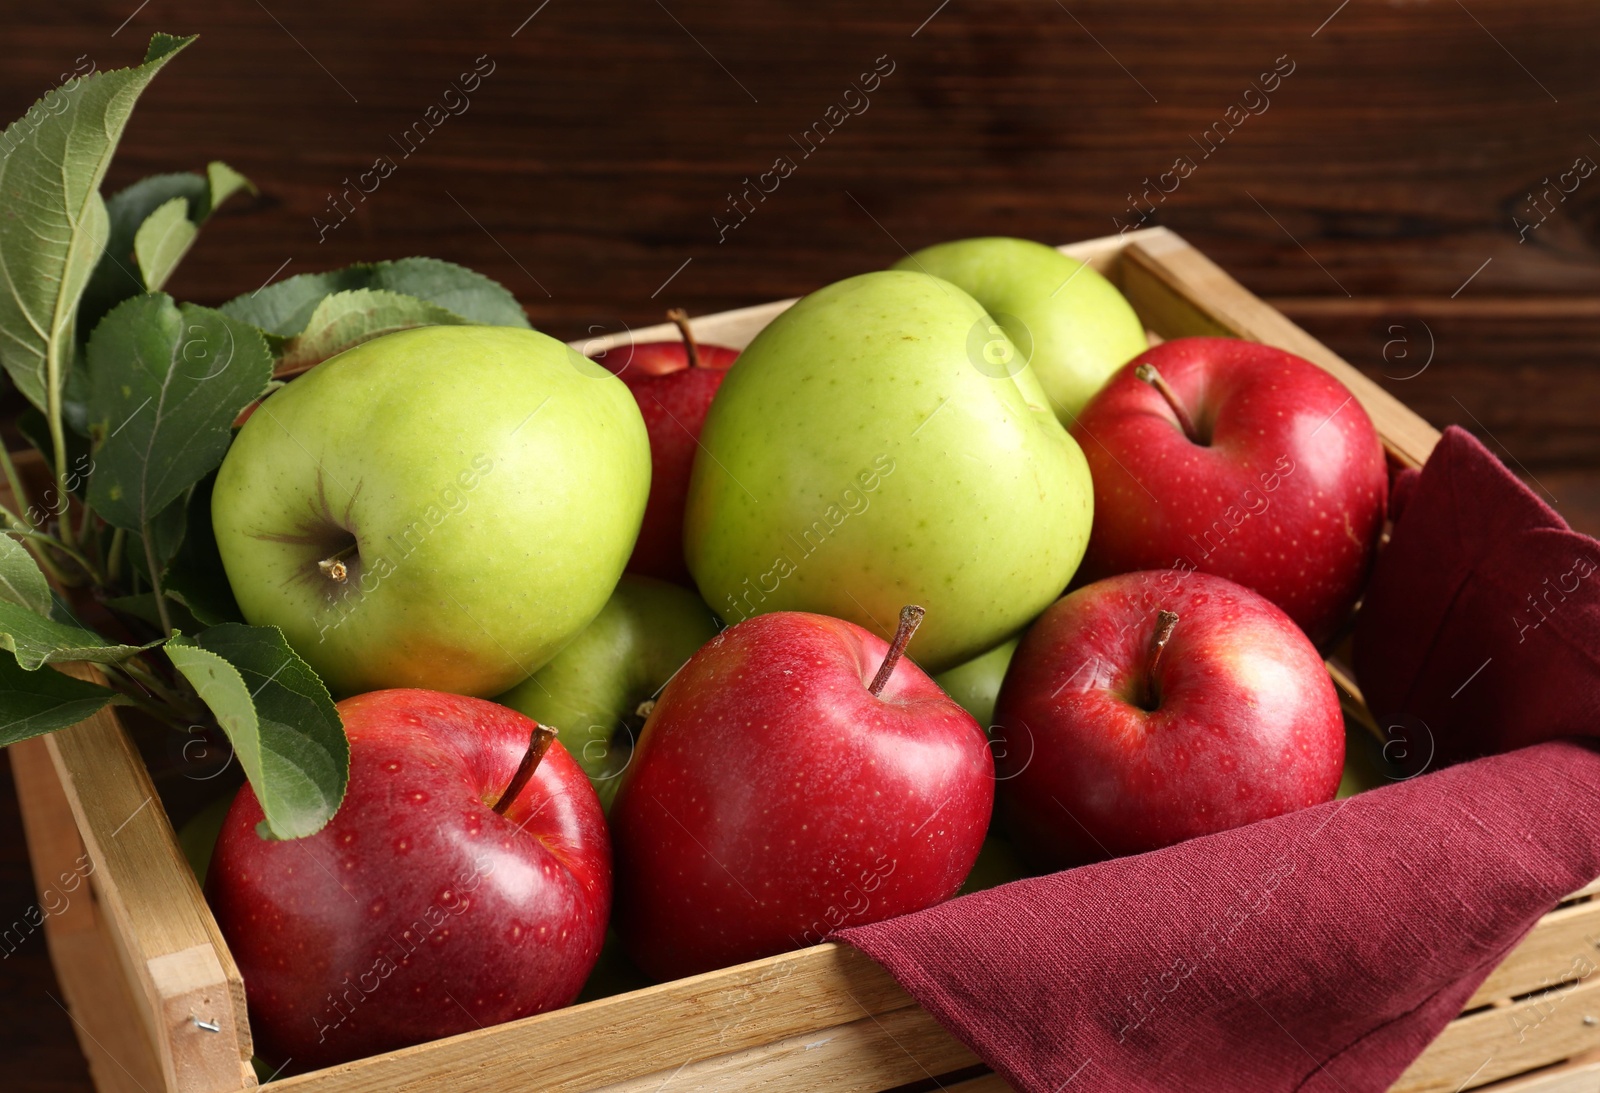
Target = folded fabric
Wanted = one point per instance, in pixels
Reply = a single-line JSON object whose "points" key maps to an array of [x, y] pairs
{"points": [[1317, 951], [1322, 950], [1481, 624]]}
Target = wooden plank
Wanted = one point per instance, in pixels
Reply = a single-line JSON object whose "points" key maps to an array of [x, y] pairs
{"points": [[1178, 290], [157, 918], [1508, 1040], [1563, 947], [874, 1053], [96, 997], [1575, 1076], [628, 1036]]}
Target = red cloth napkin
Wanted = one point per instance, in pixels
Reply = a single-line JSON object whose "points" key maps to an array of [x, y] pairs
{"points": [[1481, 625], [1322, 950]]}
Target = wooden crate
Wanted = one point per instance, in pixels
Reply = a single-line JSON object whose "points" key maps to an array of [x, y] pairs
{"points": [[159, 1003]]}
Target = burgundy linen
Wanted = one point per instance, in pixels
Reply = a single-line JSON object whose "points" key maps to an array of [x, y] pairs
{"points": [[1322, 950], [1481, 625]]}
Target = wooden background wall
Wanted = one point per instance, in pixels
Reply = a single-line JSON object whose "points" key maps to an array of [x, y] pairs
{"points": [[1376, 196]]}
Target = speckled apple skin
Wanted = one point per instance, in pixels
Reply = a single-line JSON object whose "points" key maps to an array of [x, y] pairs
{"points": [[773, 799], [492, 478], [1248, 724], [1080, 328], [857, 459], [1288, 497], [417, 912]]}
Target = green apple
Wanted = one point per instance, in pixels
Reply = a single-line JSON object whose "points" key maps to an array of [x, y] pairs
{"points": [[854, 461], [976, 683], [592, 691], [1069, 323], [443, 507]]}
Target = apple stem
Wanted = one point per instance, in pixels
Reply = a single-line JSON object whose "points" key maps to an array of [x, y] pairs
{"points": [[681, 318], [1148, 373], [1166, 621], [539, 743], [333, 565], [910, 619]]}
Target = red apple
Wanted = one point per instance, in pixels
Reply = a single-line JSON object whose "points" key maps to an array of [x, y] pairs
{"points": [[673, 382], [796, 776], [434, 902], [1153, 707], [1237, 459]]}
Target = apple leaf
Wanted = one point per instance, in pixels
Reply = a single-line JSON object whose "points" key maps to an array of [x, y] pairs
{"points": [[115, 278], [162, 241], [346, 319], [285, 309], [280, 719], [34, 703], [195, 578], [21, 581], [55, 224], [37, 640], [165, 384]]}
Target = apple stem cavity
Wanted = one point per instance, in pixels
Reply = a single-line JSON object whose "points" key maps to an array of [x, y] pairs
{"points": [[1148, 373], [690, 346], [333, 565], [1166, 621], [539, 743], [910, 619]]}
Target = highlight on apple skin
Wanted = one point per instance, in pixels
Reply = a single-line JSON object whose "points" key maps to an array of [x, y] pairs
{"points": [[443, 507]]}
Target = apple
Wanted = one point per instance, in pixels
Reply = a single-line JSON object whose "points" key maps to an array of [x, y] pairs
{"points": [[1153, 707], [855, 460], [976, 683], [796, 776], [443, 507], [596, 690], [1066, 321], [673, 382], [1242, 460], [465, 881]]}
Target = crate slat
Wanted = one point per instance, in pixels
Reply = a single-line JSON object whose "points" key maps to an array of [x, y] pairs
{"points": [[1562, 948], [874, 1053], [156, 916], [1506, 1040], [628, 1036], [121, 1057]]}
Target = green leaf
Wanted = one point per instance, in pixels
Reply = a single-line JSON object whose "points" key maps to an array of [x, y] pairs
{"points": [[37, 641], [280, 719], [285, 308], [162, 241], [195, 578], [21, 581], [34, 703], [116, 277], [346, 319], [55, 225], [165, 384], [223, 182]]}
